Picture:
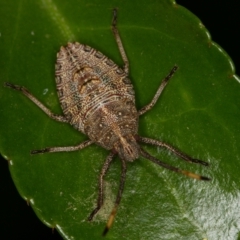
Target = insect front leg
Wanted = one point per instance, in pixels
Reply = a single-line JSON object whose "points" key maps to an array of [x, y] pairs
{"points": [[159, 91], [172, 149], [119, 42], [36, 101]]}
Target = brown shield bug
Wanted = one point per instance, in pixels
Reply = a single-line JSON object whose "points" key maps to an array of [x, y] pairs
{"points": [[98, 99]]}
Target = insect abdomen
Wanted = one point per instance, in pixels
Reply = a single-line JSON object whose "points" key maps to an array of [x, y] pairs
{"points": [[87, 81]]}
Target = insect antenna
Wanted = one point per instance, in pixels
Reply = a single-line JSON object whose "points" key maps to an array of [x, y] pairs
{"points": [[104, 170], [118, 199], [169, 167]]}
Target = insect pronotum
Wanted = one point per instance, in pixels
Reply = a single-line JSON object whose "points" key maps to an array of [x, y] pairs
{"points": [[98, 99]]}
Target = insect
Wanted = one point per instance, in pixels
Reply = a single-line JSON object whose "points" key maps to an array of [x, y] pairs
{"points": [[97, 98]]}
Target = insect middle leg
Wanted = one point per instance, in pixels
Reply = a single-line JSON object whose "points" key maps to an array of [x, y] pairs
{"points": [[36, 101], [159, 91], [119, 42], [63, 149]]}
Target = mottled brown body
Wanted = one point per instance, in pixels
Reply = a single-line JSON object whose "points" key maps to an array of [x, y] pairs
{"points": [[97, 98], [96, 95]]}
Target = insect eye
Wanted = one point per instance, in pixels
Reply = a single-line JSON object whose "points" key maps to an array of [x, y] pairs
{"points": [[119, 113]]}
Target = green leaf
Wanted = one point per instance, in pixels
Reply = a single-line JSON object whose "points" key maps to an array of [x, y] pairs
{"points": [[198, 112]]}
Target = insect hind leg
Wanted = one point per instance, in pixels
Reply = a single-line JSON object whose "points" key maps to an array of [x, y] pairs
{"points": [[36, 101], [119, 42], [159, 91]]}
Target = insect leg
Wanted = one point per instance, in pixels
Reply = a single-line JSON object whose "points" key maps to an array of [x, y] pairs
{"points": [[36, 101], [174, 169], [118, 199], [159, 91], [63, 149], [119, 41], [172, 149], [100, 189]]}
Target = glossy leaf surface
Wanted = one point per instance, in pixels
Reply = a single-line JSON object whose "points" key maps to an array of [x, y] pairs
{"points": [[198, 112]]}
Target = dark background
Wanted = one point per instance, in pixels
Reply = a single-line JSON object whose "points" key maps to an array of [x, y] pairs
{"points": [[17, 220]]}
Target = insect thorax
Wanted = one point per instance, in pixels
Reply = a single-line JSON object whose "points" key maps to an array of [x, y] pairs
{"points": [[96, 95]]}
